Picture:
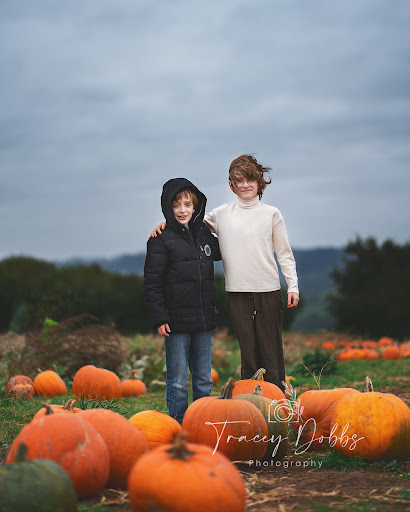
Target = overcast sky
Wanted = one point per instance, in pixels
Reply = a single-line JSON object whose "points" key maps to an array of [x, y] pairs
{"points": [[102, 101]]}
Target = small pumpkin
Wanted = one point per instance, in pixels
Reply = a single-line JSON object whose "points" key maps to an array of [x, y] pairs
{"points": [[35, 486], [391, 352], [49, 383], [214, 376], [186, 477], [235, 428], [96, 383], [125, 443], [312, 416], [278, 440], [269, 389], [57, 409], [71, 442], [158, 428], [133, 386], [372, 425], [20, 386]]}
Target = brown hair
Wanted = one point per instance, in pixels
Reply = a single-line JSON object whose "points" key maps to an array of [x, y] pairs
{"points": [[247, 167], [186, 192]]}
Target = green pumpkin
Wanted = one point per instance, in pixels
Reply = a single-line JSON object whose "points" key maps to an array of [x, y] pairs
{"points": [[35, 486], [274, 415]]}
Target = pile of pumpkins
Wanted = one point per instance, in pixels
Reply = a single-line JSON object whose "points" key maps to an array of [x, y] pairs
{"points": [[384, 348], [166, 466]]}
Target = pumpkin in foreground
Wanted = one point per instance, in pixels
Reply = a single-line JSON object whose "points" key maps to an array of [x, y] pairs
{"points": [[372, 425], [35, 486], [186, 477], [71, 442], [125, 443], [57, 409], [235, 428], [158, 428]]}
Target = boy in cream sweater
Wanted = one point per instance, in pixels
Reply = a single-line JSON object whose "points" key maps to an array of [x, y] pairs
{"points": [[250, 233]]}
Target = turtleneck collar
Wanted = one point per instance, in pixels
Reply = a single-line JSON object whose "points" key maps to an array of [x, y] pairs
{"points": [[248, 203]]}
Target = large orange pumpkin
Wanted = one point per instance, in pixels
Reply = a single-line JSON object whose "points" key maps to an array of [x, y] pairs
{"points": [[158, 428], [49, 383], [124, 442], [278, 440], [57, 409], [96, 383], [20, 386], [186, 477], [133, 386], [269, 389], [312, 416], [371, 425], [71, 442], [235, 428]]}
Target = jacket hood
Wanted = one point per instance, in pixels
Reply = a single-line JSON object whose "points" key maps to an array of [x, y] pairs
{"points": [[169, 190]]}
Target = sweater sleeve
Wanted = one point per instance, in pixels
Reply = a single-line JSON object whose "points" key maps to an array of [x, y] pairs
{"points": [[284, 254], [210, 221], [155, 267]]}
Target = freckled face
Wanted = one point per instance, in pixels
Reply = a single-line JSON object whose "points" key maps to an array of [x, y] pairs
{"points": [[183, 210]]}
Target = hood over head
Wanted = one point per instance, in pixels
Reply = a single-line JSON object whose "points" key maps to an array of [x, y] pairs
{"points": [[169, 190]]}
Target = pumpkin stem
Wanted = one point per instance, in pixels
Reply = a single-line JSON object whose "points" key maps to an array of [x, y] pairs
{"points": [[368, 384], [179, 448], [134, 374], [48, 408], [226, 391], [259, 374], [69, 406], [21, 454], [257, 390]]}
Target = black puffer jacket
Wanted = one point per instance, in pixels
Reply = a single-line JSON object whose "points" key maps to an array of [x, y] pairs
{"points": [[179, 270]]}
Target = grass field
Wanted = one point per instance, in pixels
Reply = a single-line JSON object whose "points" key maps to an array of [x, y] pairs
{"points": [[299, 482]]}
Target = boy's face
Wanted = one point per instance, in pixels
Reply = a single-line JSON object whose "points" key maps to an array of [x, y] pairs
{"points": [[183, 209], [244, 188]]}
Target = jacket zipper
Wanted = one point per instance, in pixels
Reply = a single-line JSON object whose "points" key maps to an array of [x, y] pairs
{"points": [[200, 278]]}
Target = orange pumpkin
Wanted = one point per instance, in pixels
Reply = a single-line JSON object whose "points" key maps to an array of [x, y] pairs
{"points": [[96, 383], [20, 386], [391, 352], [371, 354], [214, 376], [372, 425], [124, 442], [158, 428], [133, 386], [57, 409], [186, 477], [385, 341], [233, 427], [312, 416], [71, 442], [49, 383]]}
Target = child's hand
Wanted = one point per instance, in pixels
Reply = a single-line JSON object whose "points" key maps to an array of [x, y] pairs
{"points": [[158, 230], [163, 330], [293, 300]]}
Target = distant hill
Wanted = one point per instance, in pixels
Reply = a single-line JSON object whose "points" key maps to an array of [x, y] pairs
{"points": [[313, 266]]}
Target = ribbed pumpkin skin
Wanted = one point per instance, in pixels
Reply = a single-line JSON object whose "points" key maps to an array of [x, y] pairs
{"points": [[276, 422], [49, 383], [36, 486], [57, 409], [382, 419], [312, 413], [96, 383], [158, 428], [71, 442], [133, 387], [125, 443], [20, 386], [203, 482], [246, 420]]}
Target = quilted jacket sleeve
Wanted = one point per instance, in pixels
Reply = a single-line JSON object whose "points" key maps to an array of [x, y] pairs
{"points": [[155, 268]]}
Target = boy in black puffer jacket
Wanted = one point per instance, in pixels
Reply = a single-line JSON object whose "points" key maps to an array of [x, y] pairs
{"points": [[179, 292]]}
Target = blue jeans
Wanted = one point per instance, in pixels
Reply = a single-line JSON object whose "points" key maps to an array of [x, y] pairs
{"points": [[181, 350]]}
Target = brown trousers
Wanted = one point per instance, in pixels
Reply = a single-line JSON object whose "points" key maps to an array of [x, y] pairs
{"points": [[257, 319]]}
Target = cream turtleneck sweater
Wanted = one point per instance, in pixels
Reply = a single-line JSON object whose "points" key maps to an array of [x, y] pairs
{"points": [[249, 233]]}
